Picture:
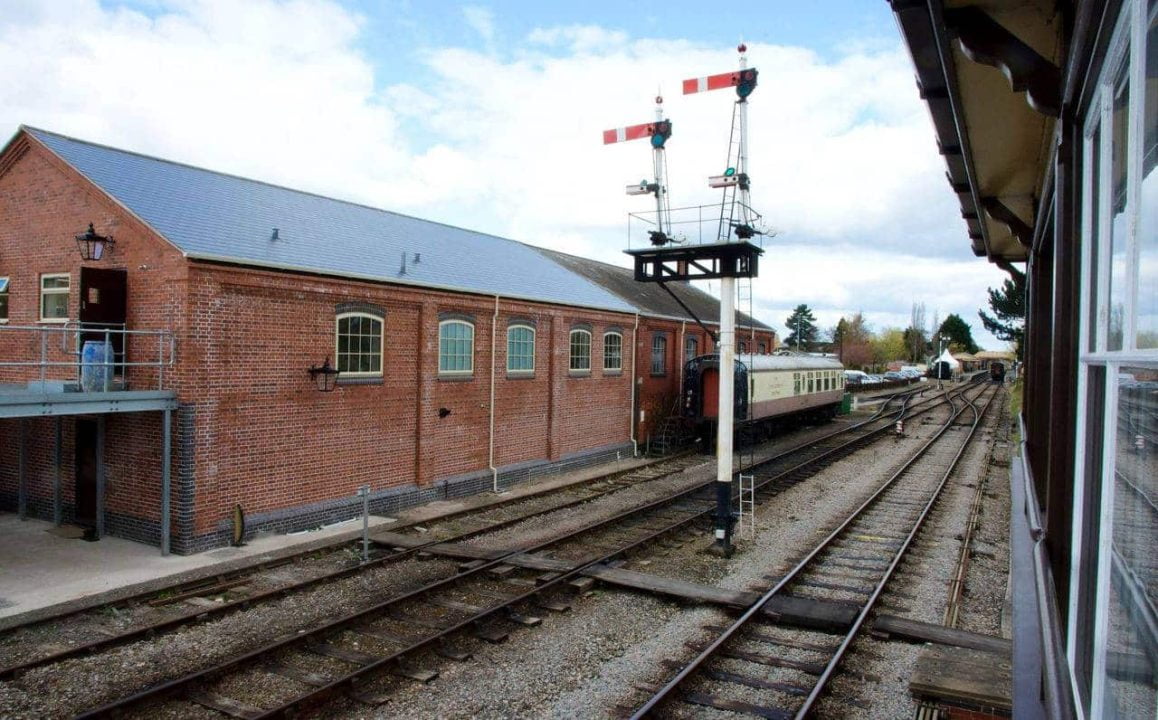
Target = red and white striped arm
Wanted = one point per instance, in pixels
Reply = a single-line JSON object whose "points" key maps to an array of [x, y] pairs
{"points": [[711, 82], [631, 132]]}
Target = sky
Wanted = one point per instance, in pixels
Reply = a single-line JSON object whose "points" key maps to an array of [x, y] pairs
{"points": [[489, 116]]}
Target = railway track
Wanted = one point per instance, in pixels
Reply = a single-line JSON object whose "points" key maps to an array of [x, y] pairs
{"points": [[163, 610], [393, 636], [852, 565]]}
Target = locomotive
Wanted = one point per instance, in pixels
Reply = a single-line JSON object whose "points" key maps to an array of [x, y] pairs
{"points": [[771, 391], [997, 372]]}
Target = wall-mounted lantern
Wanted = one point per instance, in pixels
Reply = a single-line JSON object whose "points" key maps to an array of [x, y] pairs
{"points": [[93, 246], [325, 377]]}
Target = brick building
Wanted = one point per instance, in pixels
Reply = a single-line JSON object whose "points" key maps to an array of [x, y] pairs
{"points": [[465, 359]]}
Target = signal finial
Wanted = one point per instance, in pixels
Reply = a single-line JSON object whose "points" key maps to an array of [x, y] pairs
{"points": [[742, 48]]}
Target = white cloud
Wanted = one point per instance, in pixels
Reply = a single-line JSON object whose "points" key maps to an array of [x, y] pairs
{"points": [[842, 153], [482, 20]]}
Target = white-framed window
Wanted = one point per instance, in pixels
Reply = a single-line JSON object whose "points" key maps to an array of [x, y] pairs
{"points": [[762, 349], [54, 291], [691, 347], [659, 354], [358, 343], [3, 299], [580, 351], [455, 347], [520, 349], [612, 352], [1115, 526]]}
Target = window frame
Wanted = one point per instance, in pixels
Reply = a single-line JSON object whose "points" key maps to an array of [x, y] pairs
{"points": [[692, 344], [571, 354], [1096, 448], [522, 371], [67, 292], [442, 354], [659, 342], [609, 369], [357, 374], [5, 309]]}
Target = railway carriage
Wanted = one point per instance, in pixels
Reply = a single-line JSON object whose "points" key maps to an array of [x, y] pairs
{"points": [[771, 391]]}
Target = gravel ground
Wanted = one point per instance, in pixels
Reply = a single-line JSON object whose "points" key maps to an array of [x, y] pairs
{"points": [[584, 663], [575, 664], [68, 687]]}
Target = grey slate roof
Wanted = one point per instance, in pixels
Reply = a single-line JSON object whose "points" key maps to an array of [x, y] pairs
{"points": [[649, 297], [213, 216]]}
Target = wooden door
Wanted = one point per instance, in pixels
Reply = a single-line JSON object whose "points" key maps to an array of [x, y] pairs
{"points": [[86, 472]]}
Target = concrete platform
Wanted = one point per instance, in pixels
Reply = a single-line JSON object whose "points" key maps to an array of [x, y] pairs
{"points": [[39, 568]]}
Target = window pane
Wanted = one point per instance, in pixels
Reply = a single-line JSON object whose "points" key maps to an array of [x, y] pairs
{"points": [[1095, 235], [612, 351], [54, 283], [1148, 212], [1133, 573], [359, 346], [580, 350], [1118, 215], [54, 306], [658, 355], [520, 349], [691, 348]]}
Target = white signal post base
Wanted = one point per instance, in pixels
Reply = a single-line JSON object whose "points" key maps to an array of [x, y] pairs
{"points": [[725, 411]]}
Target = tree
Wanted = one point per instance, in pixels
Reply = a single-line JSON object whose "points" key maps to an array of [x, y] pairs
{"points": [[915, 340], [1008, 305], [802, 326], [888, 346], [856, 349], [958, 333]]}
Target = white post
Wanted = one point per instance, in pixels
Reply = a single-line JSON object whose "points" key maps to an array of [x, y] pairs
{"points": [[364, 491], [658, 161], [727, 374]]}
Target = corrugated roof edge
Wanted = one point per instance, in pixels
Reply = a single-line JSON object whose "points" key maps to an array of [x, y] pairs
{"points": [[32, 131], [547, 252]]}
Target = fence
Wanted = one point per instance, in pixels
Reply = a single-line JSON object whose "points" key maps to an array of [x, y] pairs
{"points": [[96, 356]]}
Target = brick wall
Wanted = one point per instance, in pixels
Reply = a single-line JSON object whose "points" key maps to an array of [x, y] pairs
{"points": [[251, 429]]}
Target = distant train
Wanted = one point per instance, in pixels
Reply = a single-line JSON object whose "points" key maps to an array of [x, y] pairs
{"points": [[997, 372], [772, 391]]}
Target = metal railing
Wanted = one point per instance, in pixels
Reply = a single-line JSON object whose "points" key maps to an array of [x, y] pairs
{"points": [[61, 354]]}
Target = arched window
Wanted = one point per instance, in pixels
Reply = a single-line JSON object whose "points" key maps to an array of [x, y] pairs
{"points": [[612, 351], [580, 351], [520, 349], [358, 344], [455, 347], [659, 354], [691, 347]]}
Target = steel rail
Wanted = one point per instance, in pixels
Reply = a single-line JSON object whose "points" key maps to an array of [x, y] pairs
{"points": [[176, 684], [693, 666], [243, 603]]}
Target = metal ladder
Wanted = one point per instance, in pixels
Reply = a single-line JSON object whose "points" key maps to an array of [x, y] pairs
{"points": [[747, 505]]}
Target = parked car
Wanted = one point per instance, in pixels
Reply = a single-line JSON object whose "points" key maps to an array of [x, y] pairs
{"points": [[894, 375], [855, 377]]}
